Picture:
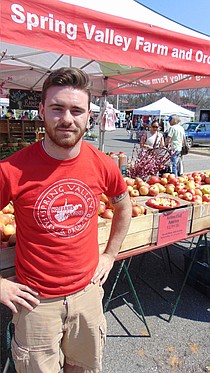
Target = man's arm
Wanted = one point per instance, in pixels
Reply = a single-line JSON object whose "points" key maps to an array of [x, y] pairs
{"points": [[120, 224], [13, 293], [168, 140]]}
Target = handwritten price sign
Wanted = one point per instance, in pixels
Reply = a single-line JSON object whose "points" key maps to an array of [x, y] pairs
{"points": [[172, 226]]}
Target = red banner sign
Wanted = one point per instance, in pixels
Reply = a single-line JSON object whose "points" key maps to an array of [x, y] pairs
{"points": [[76, 31]]}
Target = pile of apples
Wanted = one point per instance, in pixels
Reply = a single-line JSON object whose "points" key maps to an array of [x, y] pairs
{"points": [[7, 226], [194, 187], [106, 209]]}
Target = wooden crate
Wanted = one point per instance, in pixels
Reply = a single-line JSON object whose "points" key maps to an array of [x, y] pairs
{"points": [[184, 206], [101, 231], [200, 217], [7, 257], [139, 233]]}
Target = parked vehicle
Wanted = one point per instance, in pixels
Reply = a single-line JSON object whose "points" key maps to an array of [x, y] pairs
{"points": [[197, 133]]}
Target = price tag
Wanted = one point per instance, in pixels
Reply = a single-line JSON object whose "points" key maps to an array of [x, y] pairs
{"points": [[172, 226]]}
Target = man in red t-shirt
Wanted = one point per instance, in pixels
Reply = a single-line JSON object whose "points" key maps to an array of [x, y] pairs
{"points": [[55, 185]]}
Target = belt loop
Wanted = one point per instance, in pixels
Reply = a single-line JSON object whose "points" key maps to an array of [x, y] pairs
{"points": [[64, 301]]}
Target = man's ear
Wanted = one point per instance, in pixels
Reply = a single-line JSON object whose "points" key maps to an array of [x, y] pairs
{"points": [[41, 110]]}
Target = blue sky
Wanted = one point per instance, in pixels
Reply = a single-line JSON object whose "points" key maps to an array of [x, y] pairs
{"points": [[191, 13]]}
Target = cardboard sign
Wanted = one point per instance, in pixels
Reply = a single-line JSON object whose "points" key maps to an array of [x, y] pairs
{"points": [[172, 226]]}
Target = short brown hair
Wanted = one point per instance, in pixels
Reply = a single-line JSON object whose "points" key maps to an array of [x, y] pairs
{"points": [[67, 76]]}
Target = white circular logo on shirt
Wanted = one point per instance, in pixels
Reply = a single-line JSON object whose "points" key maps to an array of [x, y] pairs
{"points": [[65, 208]]}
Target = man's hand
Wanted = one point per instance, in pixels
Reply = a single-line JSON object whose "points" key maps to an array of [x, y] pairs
{"points": [[12, 293], [105, 265]]}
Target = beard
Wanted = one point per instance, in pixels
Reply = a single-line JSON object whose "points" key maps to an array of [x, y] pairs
{"points": [[64, 139]]}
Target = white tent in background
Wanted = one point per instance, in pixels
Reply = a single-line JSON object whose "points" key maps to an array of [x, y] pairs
{"points": [[95, 108], [164, 107]]}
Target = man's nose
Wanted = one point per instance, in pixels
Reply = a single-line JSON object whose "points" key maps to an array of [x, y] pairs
{"points": [[67, 116]]}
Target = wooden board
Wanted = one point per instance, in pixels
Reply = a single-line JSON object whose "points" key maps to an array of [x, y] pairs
{"points": [[184, 206], [139, 233], [7, 257], [200, 217]]}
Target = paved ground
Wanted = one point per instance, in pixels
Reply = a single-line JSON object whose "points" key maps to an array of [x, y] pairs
{"points": [[176, 347]]}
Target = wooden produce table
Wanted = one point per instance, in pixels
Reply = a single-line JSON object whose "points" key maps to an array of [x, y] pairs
{"points": [[122, 256]]}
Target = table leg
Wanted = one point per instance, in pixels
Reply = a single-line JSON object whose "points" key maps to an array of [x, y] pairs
{"points": [[139, 314], [114, 286]]}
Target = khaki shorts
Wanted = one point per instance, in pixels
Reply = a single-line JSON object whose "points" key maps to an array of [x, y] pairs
{"points": [[72, 326]]}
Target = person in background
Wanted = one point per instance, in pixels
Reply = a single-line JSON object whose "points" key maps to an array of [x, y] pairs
{"points": [[153, 138], [175, 138], [9, 114], [25, 116], [55, 185]]}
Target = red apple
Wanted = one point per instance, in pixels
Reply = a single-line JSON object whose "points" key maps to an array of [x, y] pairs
{"points": [[183, 191], [104, 198], [170, 188], [134, 193], [190, 184], [138, 180], [9, 209], [142, 209], [188, 196], [136, 211], [130, 181], [197, 178], [101, 207], [8, 231], [202, 176], [161, 187], [143, 183], [5, 219], [197, 199], [107, 214], [174, 180], [206, 198], [207, 180], [153, 180], [166, 175], [179, 187], [191, 190], [153, 190], [163, 180], [144, 190], [181, 179], [198, 192], [171, 177], [129, 189], [174, 194]]}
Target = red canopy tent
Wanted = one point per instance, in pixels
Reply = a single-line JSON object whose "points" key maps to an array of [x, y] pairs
{"points": [[124, 46]]}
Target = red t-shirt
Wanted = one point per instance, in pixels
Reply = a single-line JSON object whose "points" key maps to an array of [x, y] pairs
{"points": [[56, 214]]}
